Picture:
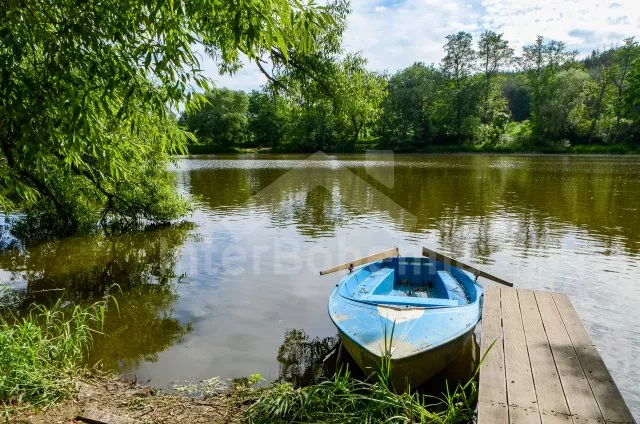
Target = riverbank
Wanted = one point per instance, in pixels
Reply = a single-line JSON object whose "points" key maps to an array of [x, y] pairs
{"points": [[115, 401], [592, 149], [45, 379]]}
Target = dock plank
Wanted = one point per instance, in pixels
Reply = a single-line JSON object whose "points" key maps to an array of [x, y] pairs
{"points": [[521, 394], [492, 413], [523, 415], [549, 391], [607, 395], [544, 367], [580, 398], [492, 394]]}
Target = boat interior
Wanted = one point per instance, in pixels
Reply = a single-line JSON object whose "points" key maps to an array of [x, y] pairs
{"points": [[410, 282]]}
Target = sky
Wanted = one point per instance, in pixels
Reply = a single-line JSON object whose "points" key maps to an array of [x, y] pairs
{"points": [[393, 34]]}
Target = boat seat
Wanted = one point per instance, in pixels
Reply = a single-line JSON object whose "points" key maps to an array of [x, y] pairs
{"points": [[410, 301], [454, 289], [381, 280]]}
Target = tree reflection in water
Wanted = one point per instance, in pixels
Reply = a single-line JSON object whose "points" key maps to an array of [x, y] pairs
{"points": [[302, 359], [137, 269]]}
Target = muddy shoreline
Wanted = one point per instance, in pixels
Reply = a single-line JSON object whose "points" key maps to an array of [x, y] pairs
{"points": [[117, 401]]}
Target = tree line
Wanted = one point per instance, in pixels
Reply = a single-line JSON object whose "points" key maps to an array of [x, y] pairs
{"points": [[482, 96]]}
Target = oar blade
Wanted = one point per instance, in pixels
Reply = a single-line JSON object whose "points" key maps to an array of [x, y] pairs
{"points": [[442, 258], [365, 260]]}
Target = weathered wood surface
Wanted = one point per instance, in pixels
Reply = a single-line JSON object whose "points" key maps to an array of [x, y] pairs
{"points": [[543, 367], [361, 261], [450, 261]]}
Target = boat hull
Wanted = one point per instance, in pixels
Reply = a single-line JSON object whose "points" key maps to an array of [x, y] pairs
{"points": [[411, 371], [425, 309]]}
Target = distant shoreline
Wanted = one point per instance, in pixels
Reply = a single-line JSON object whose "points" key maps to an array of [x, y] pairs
{"points": [[591, 150]]}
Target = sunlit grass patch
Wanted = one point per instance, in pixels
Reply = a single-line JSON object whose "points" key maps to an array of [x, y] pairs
{"points": [[41, 353], [344, 399]]}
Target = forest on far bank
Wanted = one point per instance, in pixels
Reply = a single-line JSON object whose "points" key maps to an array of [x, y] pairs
{"points": [[483, 96]]}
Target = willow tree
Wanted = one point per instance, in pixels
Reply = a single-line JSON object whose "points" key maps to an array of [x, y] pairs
{"points": [[87, 89], [358, 94]]}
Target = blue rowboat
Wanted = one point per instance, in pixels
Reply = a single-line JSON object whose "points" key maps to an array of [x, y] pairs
{"points": [[431, 307]]}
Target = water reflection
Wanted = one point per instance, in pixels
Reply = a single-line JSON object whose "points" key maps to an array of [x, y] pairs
{"points": [[440, 194], [562, 223], [137, 270], [304, 360], [266, 224]]}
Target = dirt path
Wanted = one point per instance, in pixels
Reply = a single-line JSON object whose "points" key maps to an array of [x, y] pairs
{"points": [[115, 401]]}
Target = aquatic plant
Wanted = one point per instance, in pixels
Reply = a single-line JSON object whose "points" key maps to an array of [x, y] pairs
{"points": [[41, 353], [207, 387], [344, 399]]}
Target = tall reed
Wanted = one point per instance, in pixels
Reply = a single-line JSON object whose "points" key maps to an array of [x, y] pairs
{"points": [[41, 352], [344, 399]]}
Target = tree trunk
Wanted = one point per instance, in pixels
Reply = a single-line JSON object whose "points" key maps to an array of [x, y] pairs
{"points": [[598, 106], [356, 130]]}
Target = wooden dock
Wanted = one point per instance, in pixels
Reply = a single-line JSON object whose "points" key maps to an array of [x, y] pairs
{"points": [[543, 368]]}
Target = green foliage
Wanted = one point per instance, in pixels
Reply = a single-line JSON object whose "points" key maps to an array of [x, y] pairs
{"points": [[330, 101], [458, 64], [494, 54], [412, 110], [358, 95], [515, 90], [266, 123], [40, 354], [541, 61], [561, 105], [517, 133], [86, 94], [631, 100], [330, 109], [221, 120]]}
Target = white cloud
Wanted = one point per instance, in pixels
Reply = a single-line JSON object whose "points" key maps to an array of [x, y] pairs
{"points": [[393, 34], [583, 24]]}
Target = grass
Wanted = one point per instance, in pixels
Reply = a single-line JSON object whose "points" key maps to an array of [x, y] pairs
{"points": [[41, 359], [344, 399], [41, 353]]}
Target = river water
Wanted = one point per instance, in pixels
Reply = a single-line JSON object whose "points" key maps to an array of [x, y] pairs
{"points": [[227, 292]]}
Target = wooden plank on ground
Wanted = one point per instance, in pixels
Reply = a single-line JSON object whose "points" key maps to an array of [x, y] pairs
{"points": [[606, 392], [521, 394], [580, 399], [551, 399], [492, 396]]}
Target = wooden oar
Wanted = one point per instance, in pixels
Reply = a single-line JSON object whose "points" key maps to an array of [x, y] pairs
{"points": [[478, 273], [371, 258]]}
